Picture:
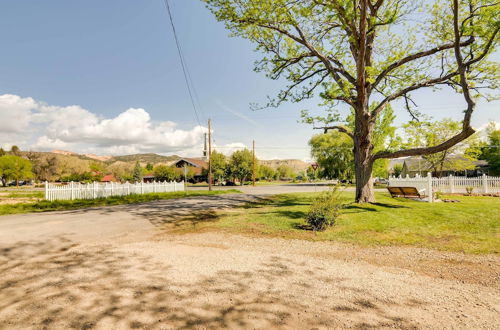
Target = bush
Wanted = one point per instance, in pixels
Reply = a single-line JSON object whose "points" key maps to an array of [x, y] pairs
{"points": [[469, 190], [439, 195], [325, 209]]}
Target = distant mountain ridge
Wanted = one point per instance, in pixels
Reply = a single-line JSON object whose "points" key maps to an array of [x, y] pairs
{"points": [[296, 164], [141, 158]]}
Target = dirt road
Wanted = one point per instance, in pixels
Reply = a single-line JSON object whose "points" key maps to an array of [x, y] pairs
{"points": [[115, 267]]}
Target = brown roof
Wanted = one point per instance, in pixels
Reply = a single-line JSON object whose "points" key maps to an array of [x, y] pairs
{"points": [[108, 178], [194, 162]]}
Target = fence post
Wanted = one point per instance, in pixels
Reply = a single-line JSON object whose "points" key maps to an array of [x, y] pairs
{"points": [[142, 187], [429, 187], [128, 188], [94, 192], [485, 183], [47, 190], [452, 184], [72, 191]]}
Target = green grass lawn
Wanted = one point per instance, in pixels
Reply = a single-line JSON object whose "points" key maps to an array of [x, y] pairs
{"points": [[471, 225], [45, 206], [23, 194]]}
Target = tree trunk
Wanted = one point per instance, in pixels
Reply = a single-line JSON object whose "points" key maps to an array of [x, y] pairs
{"points": [[363, 161], [364, 180]]}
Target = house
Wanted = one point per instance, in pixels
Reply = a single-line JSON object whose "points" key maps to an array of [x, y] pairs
{"points": [[455, 165], [197, 166], [109, 178], [148, 177]]}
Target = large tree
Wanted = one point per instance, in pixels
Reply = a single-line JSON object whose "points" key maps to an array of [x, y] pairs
{"points": [[366, 54]]}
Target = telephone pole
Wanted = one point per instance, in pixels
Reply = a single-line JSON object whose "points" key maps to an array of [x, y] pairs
{"points": [[209, 154], [253, 162]]}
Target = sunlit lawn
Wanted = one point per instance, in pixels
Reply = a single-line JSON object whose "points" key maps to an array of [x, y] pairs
{"points": [[471, 225]]}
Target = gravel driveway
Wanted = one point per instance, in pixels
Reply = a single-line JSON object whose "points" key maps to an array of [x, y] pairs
{"points": [[116, 268]]}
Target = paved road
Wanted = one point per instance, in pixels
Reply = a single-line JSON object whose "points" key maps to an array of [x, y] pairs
{"points": [[281, 188], [108, 223]]}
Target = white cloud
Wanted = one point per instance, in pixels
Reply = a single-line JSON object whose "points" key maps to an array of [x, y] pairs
{"points": [[77, 129], [229, 148], [15, 113]]}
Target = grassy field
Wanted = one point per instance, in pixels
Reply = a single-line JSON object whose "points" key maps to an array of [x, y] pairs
{"points": [[45, 206], [471, 225]]}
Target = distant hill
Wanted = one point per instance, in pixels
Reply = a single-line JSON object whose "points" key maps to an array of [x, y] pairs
{"points": [[144, 158], [85, 159], [296, 164]]}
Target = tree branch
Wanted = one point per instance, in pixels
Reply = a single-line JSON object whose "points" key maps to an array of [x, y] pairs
{"points": [[464, 134], [341, 129], [418, 55], [467, 130], [427, 83]]}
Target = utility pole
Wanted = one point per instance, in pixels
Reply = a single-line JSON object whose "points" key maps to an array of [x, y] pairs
{"points": [[185, 178], [253, 162], [209, 154]]}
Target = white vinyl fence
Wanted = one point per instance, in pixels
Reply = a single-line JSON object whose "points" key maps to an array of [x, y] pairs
{"points": [[75, 190], [450, 184]]}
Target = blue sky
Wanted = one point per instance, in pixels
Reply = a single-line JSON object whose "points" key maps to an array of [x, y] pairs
{"points": [[107, 57]]}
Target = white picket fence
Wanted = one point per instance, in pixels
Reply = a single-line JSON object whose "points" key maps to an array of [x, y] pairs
{"points": [[451, 184], [75, 190]]}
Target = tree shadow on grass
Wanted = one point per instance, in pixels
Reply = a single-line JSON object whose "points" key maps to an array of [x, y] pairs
{"points": [[367, 208], [290, 214], [60, 284]]}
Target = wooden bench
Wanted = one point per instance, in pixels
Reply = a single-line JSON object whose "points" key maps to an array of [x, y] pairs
{"points": [[406, 192]]}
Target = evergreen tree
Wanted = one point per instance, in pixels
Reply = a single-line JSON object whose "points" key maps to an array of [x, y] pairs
{"points": [[137, 174]]}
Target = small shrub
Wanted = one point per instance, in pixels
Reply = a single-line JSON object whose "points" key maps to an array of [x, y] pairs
{"points": [[439, 195], [469, 190], [325, 209]]}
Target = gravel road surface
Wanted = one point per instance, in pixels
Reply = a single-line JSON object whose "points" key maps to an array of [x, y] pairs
{"points": [[118, 268]]}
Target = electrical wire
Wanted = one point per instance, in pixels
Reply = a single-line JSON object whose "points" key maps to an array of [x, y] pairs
{"points": [[183, 63]]}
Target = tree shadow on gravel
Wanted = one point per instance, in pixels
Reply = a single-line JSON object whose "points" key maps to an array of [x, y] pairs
{"points": [[60, 284]]}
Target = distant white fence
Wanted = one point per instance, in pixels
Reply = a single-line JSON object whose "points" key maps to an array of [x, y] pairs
{"points": [[75, 190], [450, 184]]}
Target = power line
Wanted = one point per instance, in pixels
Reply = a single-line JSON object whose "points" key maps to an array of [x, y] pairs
{"points": [[183, 64]]}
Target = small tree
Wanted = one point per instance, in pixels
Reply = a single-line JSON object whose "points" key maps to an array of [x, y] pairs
{"points": [[149, 167], [187, 173], [137, 173], [45, 167], [14, 150], [15, 168], [333, 152], [397, 169], [265, 172], [285, 172], [240, 165], [491, 152], [165, 173], [219, 164]]}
